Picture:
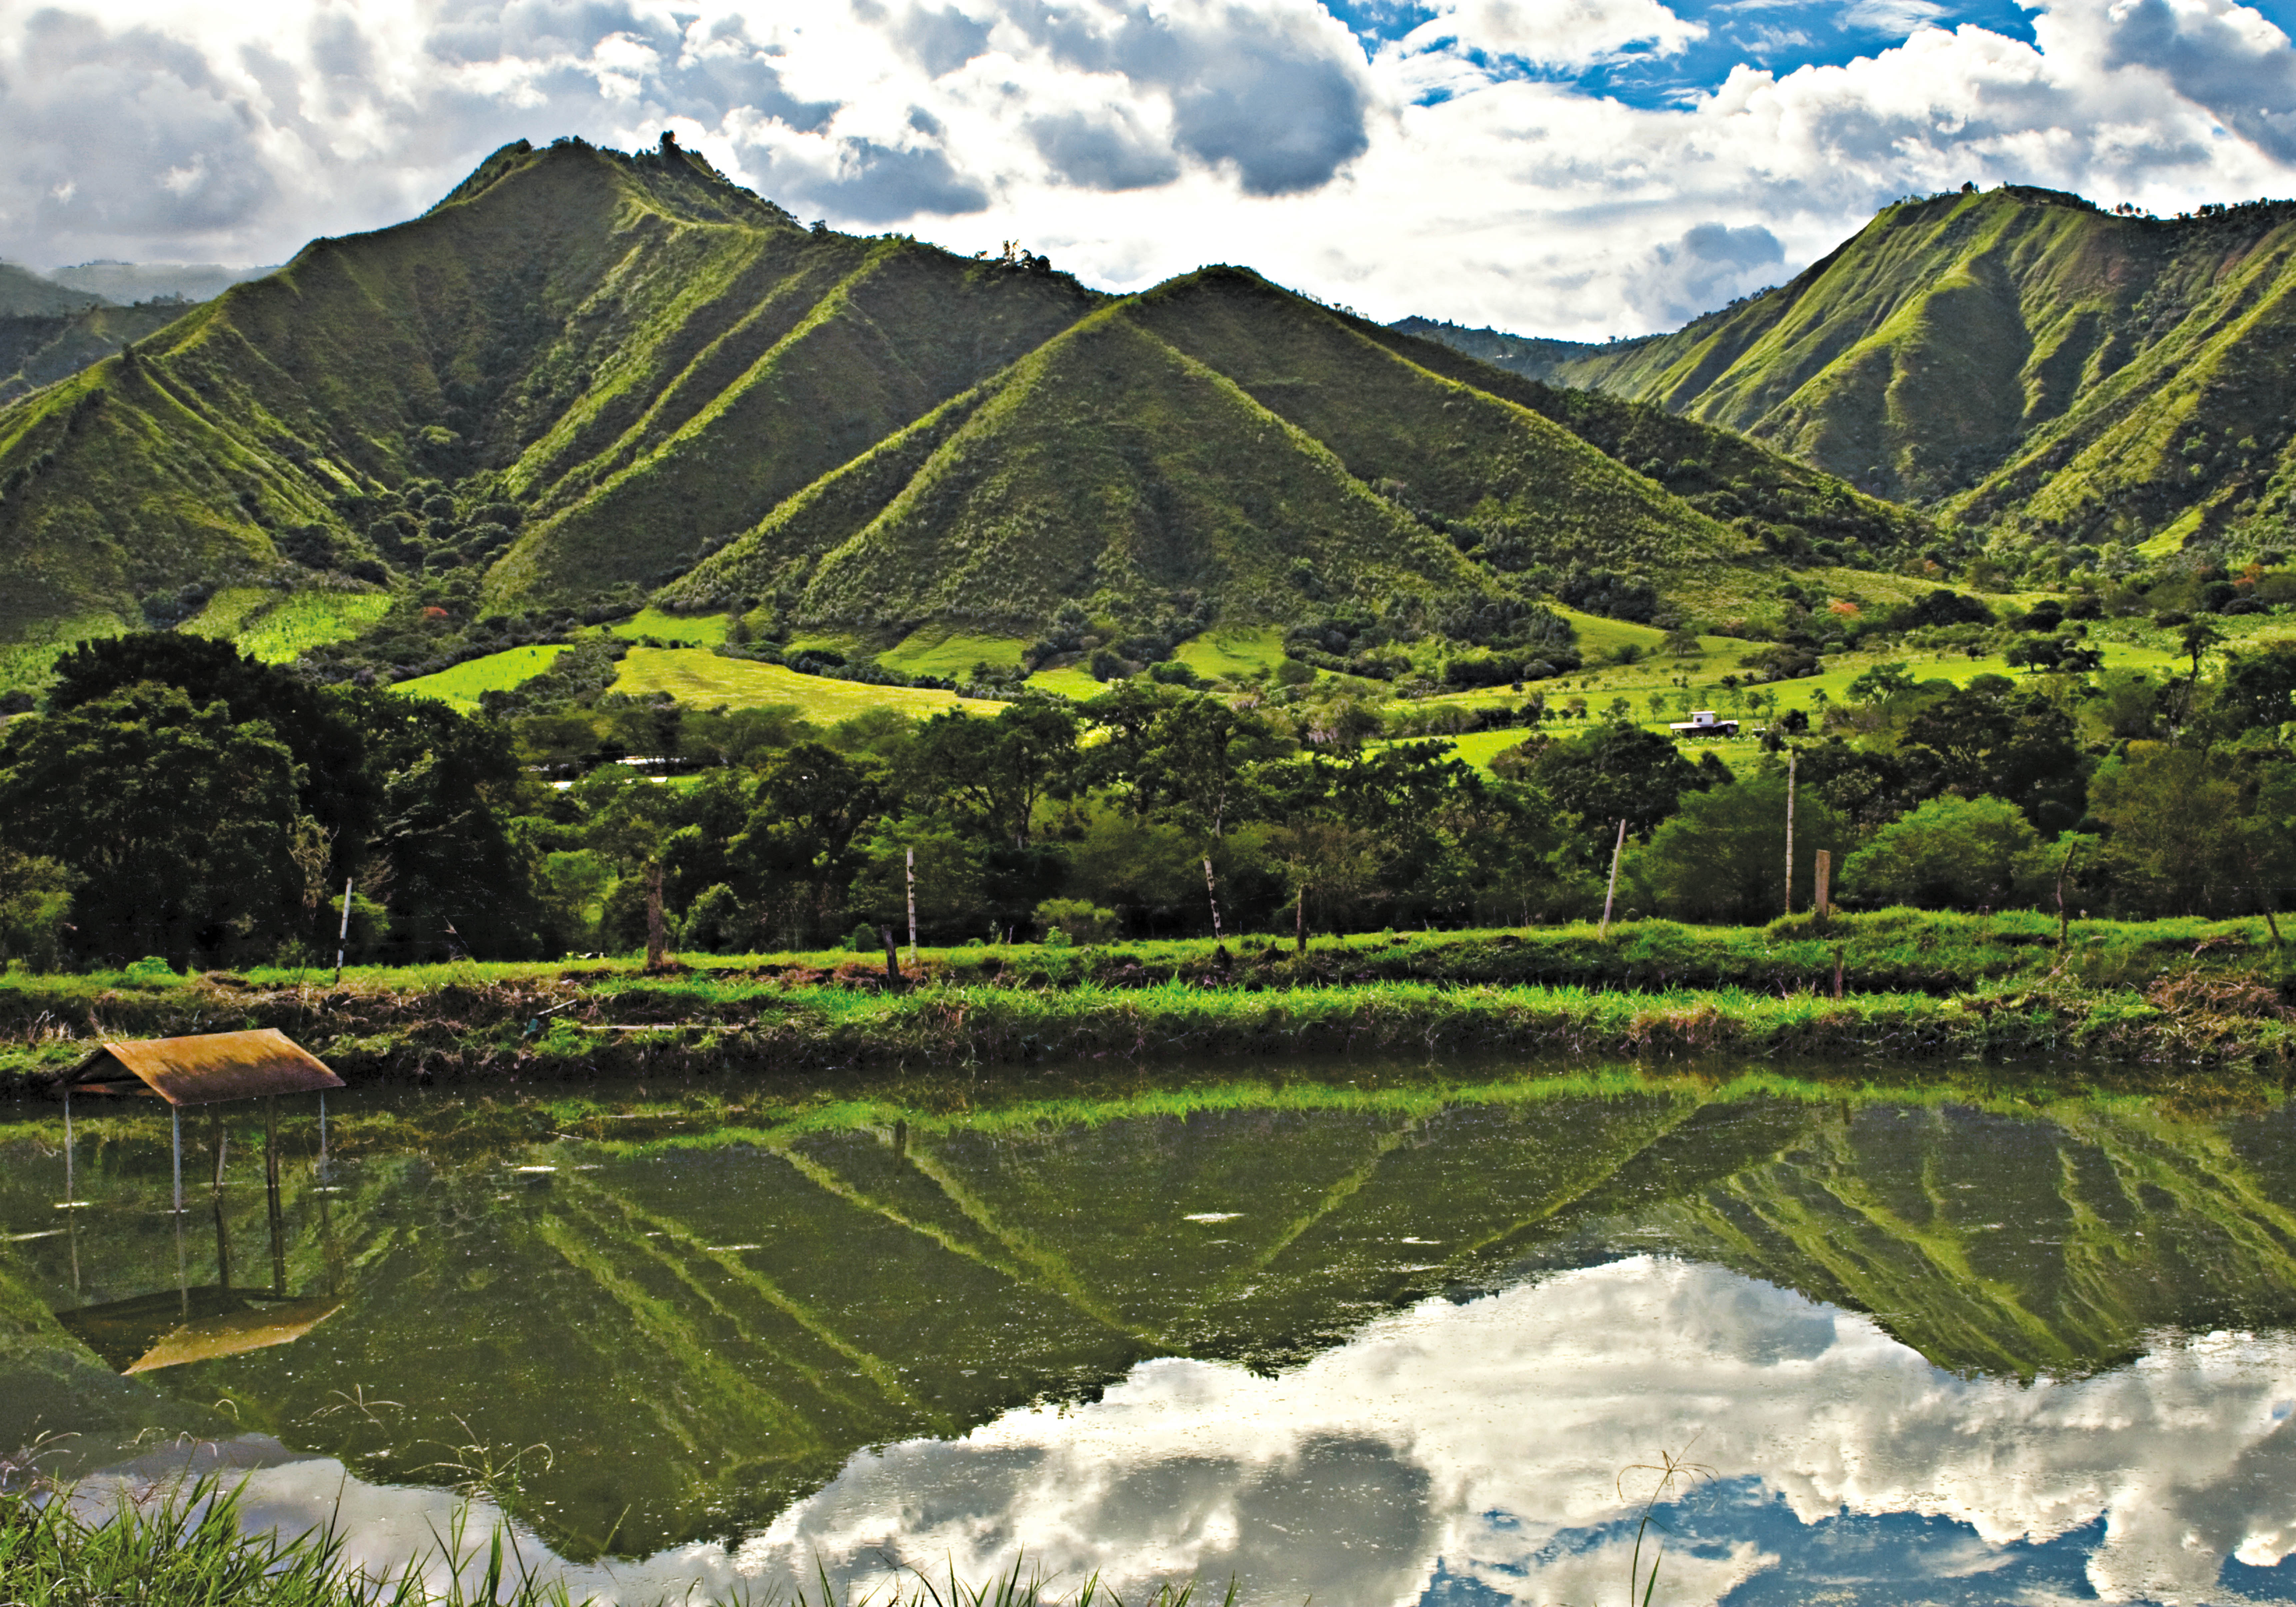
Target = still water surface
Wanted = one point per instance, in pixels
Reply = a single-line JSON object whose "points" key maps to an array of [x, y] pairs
{"points": [[1341, 1343]]}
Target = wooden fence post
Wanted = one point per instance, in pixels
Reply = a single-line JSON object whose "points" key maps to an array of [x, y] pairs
{"points": [[1211, 892], [1792, 759], [1824, 905], [1610, 893]]}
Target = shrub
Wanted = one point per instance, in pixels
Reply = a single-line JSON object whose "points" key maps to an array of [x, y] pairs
{"points": [[1722, 857], [716, 923], [1951, 853], [1068, 921]]}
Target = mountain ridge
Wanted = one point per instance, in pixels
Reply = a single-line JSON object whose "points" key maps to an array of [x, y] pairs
{"points": [[2019, 360], [585, 377]]}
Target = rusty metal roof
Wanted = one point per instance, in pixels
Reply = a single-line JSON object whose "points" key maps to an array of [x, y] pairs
{"points": [[235, 1333], [205, 1070]]}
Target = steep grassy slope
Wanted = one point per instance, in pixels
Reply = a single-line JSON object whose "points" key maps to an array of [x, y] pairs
{"points": [[1222, 437], [1107, 464], [563, 315], [2019, 357], [585, 376]]}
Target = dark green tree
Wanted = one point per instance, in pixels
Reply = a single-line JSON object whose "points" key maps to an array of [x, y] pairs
{"points": [[997, 771], [1617, 772], [1990, 738], [179, 821], [337, 787], [805, 840]]}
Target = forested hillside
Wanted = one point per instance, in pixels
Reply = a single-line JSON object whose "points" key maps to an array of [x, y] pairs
{"points": [[2020, 360], [585, 377]]}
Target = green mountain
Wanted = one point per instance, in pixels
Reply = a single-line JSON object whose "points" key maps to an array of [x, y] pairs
{"points": [[25, 295], [38, 349], [2019, 359], [585, 377]]}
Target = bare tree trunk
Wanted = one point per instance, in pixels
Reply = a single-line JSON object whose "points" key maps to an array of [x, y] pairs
{"points": [[2064, 917], [1211, 893], [657, 942]]}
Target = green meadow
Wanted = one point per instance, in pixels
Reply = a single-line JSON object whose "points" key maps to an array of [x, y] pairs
{"points": [[705, 680], [463, 683]]}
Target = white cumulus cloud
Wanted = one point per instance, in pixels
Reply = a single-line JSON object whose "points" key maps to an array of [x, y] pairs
{"points": [[1487, 1440], [1461, 171]]}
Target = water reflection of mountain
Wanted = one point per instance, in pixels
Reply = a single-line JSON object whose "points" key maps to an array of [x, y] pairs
{"points": [[700, 1334]]}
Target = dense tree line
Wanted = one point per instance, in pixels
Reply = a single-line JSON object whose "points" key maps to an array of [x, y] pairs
{"points": [[175, 798]]}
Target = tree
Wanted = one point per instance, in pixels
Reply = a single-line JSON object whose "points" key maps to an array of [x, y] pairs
{"points": [[2196, 638], [179, 821], [1615, 773], [1883, 685], [35, 907], [1989, 738], [998, 770], [1722, 855], [1188, 758], [336, 785], [1951, 853], [2257, 691], [802, 844], [441, 859], [2175, 827]]}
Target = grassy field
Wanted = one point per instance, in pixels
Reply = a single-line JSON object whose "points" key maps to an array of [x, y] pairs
{"points": [[496, 672], [302, 620], [703, 680], [1068, 682], [279, 627], [1221, 653], [228, 610], [697, 630], [933, 651], [30, 663]]}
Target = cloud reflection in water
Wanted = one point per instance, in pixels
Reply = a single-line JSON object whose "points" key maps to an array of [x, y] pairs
{"points": [[1471, 1454]]}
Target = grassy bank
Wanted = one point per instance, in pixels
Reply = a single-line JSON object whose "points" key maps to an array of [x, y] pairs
{"points": [[1913, 986], [184, 1546]]}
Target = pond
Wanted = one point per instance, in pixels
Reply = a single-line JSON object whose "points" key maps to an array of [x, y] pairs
{"points": [[1340, 1334]]}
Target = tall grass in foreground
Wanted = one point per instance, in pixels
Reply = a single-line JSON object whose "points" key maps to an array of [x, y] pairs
{"points": [[185, 1547]]}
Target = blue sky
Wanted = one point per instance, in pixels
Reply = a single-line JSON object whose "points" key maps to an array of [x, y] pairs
{"points": [[1578, 168], [1777, 35]]}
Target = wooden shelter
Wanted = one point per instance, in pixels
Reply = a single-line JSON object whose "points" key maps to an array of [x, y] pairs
{"points": [[210, 1069]]}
